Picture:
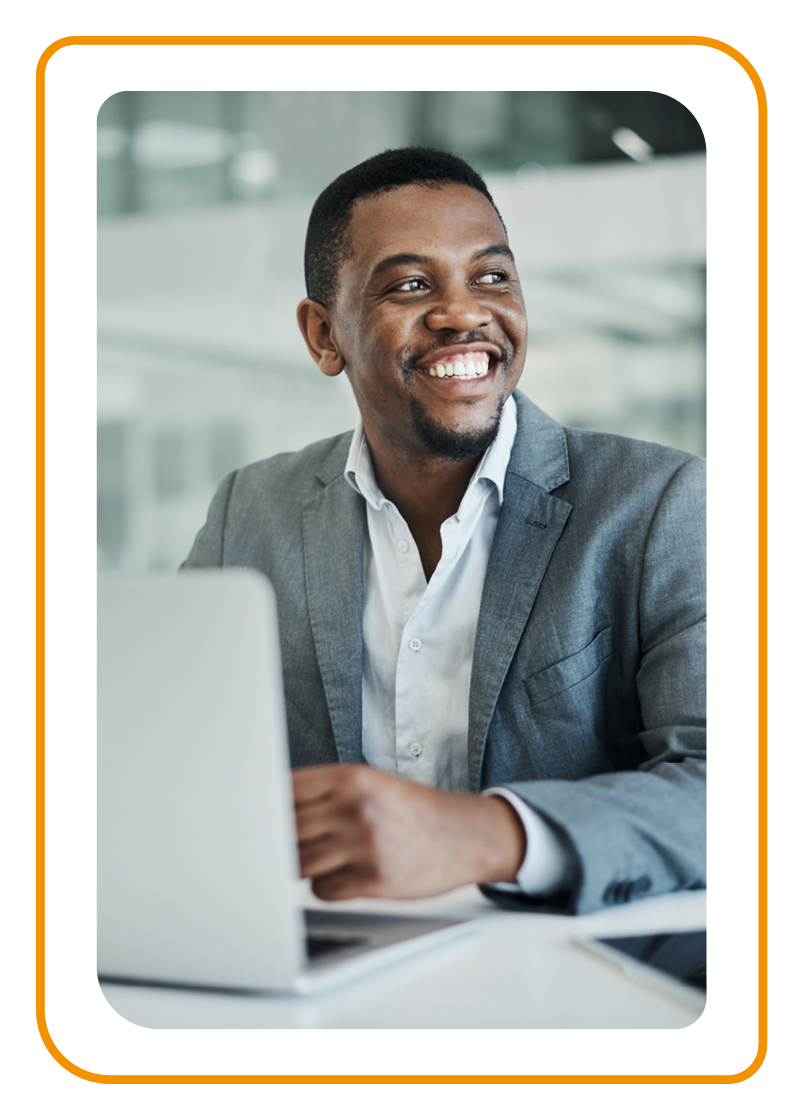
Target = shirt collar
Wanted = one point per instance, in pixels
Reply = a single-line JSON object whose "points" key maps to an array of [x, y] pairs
{"points": [[360, 475]]}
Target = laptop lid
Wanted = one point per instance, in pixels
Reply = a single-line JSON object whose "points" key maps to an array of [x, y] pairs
{"points": [[196, 839]]}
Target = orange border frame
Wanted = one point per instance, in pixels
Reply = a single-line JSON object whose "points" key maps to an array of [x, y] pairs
{"points": [[382, 40]]}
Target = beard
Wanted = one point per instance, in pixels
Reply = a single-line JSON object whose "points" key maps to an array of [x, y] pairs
{"points": [[454, 446]]}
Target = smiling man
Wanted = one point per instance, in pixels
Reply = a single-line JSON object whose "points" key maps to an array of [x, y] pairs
{"points": [[503, 618]]}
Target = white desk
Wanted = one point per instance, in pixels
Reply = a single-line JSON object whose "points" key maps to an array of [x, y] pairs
{"points": [[514, 970]]}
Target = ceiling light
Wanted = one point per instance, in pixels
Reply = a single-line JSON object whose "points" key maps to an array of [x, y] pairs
{"points": [[175, 145], [629, 142]]}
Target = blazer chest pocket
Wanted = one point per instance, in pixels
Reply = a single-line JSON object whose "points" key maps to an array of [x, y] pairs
{"points": [[572, 670]]}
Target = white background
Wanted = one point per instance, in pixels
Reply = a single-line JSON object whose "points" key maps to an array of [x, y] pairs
{"points": [[721, 96], [86, 1030]]}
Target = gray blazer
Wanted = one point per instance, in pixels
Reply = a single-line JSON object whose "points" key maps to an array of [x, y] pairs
{"points": [[588, 684]]}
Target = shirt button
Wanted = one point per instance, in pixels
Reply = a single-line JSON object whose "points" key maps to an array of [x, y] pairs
{"points": [[402, 546], [416, 749], [415, 644]]}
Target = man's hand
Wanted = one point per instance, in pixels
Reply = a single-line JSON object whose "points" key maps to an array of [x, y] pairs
{"points": [[365, 833]]}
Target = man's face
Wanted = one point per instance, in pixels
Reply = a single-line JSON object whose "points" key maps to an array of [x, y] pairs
{"points": [[430, 320]]}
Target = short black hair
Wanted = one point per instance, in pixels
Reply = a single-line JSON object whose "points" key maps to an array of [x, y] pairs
{"points": [[328, 243]]}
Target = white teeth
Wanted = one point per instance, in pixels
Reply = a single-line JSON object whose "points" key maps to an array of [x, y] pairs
{"points": [[464, 370]]}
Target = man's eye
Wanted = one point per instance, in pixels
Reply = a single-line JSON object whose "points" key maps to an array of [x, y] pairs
{"points": [[414, 285], [494, 277]]}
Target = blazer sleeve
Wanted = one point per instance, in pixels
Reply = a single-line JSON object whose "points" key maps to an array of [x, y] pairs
{"points": [[642, 832]]}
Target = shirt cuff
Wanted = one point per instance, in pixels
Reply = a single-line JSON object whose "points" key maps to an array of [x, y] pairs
{"points": [[547, 866]]}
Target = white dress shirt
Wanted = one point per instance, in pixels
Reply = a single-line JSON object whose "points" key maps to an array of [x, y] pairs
{"points": [[418, 642]]}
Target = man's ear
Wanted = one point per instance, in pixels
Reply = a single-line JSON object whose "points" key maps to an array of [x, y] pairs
{"points": [[315, 324]]}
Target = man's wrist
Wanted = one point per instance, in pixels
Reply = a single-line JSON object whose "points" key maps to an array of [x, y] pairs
{"points": [[548, 864], [502, 842]]}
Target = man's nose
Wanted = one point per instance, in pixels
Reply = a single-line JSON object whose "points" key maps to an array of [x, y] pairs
{"points": [[458, 309]]}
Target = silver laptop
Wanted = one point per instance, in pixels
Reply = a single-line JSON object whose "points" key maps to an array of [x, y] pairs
{"points": [[197, 866]]}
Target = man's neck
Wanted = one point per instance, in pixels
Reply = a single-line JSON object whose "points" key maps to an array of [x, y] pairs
{"points": [[426, 490]]}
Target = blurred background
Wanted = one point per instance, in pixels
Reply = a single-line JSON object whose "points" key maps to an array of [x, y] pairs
{"points": [[203, 199]]}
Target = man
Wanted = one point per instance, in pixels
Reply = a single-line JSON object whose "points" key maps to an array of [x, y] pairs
{"points": [[504, 618]]}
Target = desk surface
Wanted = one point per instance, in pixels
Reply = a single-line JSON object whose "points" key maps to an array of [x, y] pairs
{"points": [[514, 970]]}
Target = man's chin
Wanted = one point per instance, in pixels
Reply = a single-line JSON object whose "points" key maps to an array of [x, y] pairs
{"points": [[452, 444]]}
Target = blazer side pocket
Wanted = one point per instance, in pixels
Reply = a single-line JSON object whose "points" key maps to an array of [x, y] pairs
{"points": [[573, 669]]}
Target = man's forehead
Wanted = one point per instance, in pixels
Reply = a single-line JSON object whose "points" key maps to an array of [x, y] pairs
{"points": [[403, 220]]}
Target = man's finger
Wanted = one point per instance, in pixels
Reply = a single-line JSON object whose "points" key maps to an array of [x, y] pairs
{"points": [[337, 814], [347, 882], [328, 836], [320, 858], [326, 855], [312, 824], [319, 782]]}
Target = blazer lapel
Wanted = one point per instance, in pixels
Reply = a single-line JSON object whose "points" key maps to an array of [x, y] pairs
{"points": [[530, 523], [333, 523]]}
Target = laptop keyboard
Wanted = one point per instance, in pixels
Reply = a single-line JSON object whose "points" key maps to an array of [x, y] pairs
{"points": [[320, 944]]}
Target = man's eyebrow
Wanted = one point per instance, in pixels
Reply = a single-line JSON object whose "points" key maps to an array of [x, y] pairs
{"points": [[501, 250], [399, 259]]}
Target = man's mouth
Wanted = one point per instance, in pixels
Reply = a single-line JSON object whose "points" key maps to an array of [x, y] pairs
{"points": [[464, 367]]}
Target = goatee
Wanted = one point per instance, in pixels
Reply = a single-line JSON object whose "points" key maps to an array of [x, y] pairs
{"points": [[446, 443]]}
